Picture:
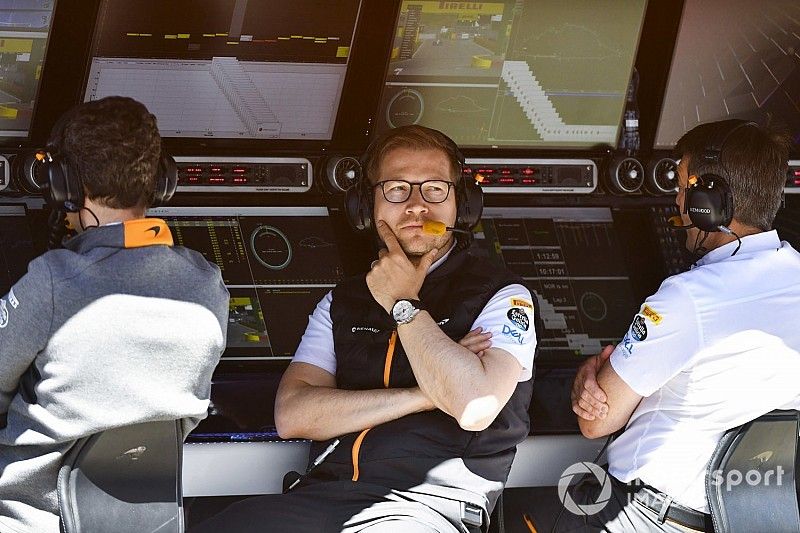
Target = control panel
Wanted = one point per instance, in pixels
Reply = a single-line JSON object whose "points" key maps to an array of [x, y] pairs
{"points": [[537, 176], [793, 177], [244, 174]]}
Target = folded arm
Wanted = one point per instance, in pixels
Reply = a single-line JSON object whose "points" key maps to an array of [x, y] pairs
{"points": [[470, 388], [309, 405]]}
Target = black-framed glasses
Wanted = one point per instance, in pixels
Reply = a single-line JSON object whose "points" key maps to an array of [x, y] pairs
{"points": [[398, 191]]}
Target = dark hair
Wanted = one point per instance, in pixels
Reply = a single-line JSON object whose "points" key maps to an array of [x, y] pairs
{"points": [[114, 146], [753, 160], [413, 137]]}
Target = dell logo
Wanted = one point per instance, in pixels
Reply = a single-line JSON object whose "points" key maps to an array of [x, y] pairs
{"points": [[700, 210]]}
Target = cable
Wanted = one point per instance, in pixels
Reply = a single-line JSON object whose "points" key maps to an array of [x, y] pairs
{"points": [[57, 229], [80, 218], [581, 480], [729, 231]]}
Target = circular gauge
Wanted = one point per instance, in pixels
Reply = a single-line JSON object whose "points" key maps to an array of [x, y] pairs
{"points": [[28, 172], [271, 247], [405, 107], [593, 306], [626, 175]]}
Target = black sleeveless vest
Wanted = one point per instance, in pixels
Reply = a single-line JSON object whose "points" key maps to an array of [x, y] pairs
{"points": [[428, 449]]}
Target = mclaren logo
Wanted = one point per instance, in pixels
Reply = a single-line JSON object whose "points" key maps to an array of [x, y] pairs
{"points": [[155, 229]]}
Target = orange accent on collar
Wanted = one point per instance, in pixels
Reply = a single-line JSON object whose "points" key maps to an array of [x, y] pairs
{"points": [[146, 232]]}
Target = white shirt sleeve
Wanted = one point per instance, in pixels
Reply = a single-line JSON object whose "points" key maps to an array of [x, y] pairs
{"points": [[316, 346], [661, 341], [509, 316]]}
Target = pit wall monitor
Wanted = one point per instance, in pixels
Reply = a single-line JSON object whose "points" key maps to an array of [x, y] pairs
{"points": [[748, 70], [514, 73], [228, 69], [572, 260], [277, 263], [24, 31]]}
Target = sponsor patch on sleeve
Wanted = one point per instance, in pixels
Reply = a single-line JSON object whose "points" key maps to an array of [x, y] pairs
{"points": [[3, 314], [651, 313], [519, 318], [514, 334], [639, 328], [518, 301]]}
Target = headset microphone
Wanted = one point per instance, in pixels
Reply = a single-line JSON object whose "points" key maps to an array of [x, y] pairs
{"points": [[676, 223]]}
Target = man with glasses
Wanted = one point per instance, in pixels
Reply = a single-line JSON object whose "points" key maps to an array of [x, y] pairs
{"points": [[413, 380]]}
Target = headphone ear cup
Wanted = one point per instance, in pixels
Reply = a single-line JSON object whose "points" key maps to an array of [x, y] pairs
{"points": [[357, 208], [470, 205], [64, 191], [709, 203], [166, 179]]}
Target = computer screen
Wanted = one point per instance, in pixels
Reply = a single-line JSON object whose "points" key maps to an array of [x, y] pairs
{"points": [[733, 59], [277, 263], [513, 73], [573, 260], [245, 69], [24, 29]]}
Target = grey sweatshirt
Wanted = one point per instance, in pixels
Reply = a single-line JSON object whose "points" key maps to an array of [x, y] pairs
{"points": [[97, 336]]}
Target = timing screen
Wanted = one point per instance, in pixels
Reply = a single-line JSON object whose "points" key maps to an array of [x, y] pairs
{"points": [[276, 262], [513, 73], [249, 69], [572, 259]]}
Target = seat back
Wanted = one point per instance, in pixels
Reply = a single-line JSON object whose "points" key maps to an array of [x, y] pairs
{"points": [[124, 480], [751, 482]]}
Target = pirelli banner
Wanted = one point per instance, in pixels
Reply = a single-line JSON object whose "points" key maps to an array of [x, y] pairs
{"points": [[456, 8]]}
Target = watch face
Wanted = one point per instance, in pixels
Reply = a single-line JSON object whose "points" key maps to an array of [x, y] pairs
{"points": [[402, 310]]}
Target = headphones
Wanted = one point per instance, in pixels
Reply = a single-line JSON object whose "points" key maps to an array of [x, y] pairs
{"points": [[709, 200], [64, 189], [359, 199]]}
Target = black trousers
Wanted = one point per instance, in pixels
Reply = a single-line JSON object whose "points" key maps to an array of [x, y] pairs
{"points": [[621, 514], [339, 507]]}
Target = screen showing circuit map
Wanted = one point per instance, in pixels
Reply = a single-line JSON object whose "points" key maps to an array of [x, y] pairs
{"points": [[276, 262], [242, 69], [549, 73]]}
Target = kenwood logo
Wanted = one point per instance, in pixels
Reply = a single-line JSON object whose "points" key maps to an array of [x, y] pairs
{"points": [[700, 210]]}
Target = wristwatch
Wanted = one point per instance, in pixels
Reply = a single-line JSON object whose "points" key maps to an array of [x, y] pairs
{"points": [[404, 310]]}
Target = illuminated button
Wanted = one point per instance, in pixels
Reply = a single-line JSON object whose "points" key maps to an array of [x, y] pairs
{"points": [[240, 180], [240, 170], [528, 181], [528, 171], [215, 180], [193, 179], [506, 181]]}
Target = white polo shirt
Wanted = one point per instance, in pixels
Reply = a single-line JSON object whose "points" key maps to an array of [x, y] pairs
{"points": [[714, 348], [316, 346]]}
